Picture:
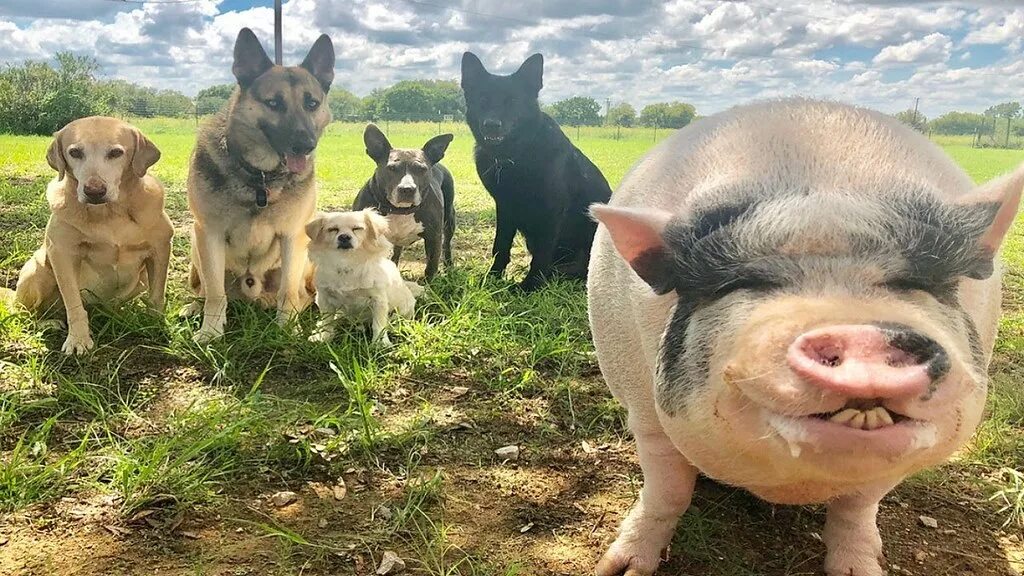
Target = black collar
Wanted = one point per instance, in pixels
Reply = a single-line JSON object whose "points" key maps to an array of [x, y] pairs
{"points": [[385, 207], [499, 165], [259, 180]]}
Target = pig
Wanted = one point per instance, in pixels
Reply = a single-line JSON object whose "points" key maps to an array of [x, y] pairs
{"points": [[798, 298]]}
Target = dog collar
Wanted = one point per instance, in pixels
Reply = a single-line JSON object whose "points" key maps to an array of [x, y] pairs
{"points": [[499, 165], [385, 207], [260, 180]]}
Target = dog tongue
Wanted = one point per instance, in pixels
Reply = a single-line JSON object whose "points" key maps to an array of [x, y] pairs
{"points": [[295, 162]]}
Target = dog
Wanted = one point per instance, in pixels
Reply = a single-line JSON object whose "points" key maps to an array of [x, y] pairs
{"points": [[416, 194], [251, 185], [542, 185], [108, 237], [354, 277]]}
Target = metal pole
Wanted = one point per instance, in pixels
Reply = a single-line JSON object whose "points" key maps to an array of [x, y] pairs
{"points": [[277, 32]]}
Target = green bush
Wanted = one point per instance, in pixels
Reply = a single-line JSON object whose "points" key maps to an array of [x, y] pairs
{"points": [[36, 98]]}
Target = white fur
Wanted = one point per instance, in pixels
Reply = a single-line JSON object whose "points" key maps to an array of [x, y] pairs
{"points": [[361, 283], [403, 229]]}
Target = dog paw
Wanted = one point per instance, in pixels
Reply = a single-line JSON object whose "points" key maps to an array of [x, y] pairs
{"points": [[190, 310], [852, 562], [529, 285], [207, 334], [321, 336], [383, 341], [77, 344], [630, 557]]}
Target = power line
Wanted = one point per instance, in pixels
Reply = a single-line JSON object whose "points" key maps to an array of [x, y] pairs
{"points": [[154, 1]]}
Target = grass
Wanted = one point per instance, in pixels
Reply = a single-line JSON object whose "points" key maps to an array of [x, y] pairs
{"points": [[153, 434]]}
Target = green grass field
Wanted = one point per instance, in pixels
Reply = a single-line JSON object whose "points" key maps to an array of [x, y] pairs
{"points": [[152, 455]]}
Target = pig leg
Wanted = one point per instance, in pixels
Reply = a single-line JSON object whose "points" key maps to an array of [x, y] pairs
{"points": [[854, 547], [647, 530]]}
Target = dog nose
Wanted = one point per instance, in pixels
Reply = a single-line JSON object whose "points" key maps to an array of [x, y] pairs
{"points": [[863, 361], [406, 191], [94, 188], [344, 241], [303, 145]]}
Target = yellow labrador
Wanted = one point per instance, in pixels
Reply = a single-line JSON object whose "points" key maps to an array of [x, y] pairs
{"points": [[108, 237]]}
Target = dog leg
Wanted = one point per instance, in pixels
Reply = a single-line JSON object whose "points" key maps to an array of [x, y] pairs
{"points": [[379, 323], [156, 272], [432, 246], [543, 252], [37, 287], [293, 263], [504, 234], [449, 232], [211, 272], [326, 323], [65, 263]]}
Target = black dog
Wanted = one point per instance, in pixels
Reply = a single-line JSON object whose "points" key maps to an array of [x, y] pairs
{"points": [[415, 192], [542, 185]]}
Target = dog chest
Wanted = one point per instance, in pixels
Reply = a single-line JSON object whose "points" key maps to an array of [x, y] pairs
{"points": [[403, 229]]}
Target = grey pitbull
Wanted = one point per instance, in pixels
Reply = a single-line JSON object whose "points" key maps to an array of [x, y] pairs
{"points": [[416, 194]]}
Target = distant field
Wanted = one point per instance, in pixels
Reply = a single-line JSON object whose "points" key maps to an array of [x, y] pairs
{"points": [[153, 455]]}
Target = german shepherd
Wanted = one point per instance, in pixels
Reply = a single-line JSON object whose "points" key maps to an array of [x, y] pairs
{"points": [[251, 185], [542, 185]]}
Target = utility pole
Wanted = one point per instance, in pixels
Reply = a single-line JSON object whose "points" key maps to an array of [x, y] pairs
{"points": [[607, 107], [916, 102], [277, 33]]}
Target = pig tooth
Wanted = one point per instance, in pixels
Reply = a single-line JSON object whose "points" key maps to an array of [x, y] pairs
{"points": [[858, 421], [884, 416], [872, 420], [845, 416]]}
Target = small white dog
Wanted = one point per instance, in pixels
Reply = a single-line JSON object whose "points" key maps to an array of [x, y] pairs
{"points": [[354, 276]]}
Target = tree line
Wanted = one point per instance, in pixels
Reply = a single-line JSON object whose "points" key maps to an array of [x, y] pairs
{"points": [[997, 123]]}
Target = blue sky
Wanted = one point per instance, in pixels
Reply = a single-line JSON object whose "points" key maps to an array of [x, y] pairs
{"points": [[883, 54]]}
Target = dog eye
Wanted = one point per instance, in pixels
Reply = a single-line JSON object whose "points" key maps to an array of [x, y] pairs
{"points": [[333, 229], [419, 168], [357, 228], [115, 153], [274, 104], [76, 153], [394, 167], [312, 103]]}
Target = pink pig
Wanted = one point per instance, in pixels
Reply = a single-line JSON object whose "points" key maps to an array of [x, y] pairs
{"points": [[799, 298]]}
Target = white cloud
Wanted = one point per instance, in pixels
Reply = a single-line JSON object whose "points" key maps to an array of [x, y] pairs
{"points": [[935, 47], [714, 54]]}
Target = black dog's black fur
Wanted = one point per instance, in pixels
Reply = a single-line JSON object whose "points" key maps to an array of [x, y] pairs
{"points": [[542, 185]]}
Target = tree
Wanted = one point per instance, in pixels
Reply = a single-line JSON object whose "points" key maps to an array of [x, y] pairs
{"points": [[211, 100], [960, 124], [576, 111], [416, 100], [36, 98], [1008, 110], [345, 105], [668, 114], [621, 115], [913, 118]]}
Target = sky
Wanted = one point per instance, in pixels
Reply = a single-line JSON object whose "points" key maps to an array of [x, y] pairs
{"points": [[876, 53]]}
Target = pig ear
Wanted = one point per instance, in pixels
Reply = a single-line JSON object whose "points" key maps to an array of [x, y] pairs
{"points": [[1005, 194], [637, 235]]}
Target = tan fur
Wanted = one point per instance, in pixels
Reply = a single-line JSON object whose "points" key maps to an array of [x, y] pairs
{"points": [[240, 250], [99, 252], [787, 145]]}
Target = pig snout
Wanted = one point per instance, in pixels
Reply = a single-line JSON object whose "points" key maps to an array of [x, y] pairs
{"points": [[866, 361]]}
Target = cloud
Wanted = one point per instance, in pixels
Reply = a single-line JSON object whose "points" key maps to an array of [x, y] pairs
{"points": [[713, 54], [934, 47]]}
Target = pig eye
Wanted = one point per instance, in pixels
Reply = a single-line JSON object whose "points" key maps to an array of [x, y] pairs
{"points": [[76, 153], [752, 284], [907, 285], [115, 154]]}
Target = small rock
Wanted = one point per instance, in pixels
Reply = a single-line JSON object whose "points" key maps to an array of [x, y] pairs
{"points": [[282, 499], [920, 556], [588, 448], [458, 391], [390, 563], [526, 528], [322, 523], [508, 452], [190, 535], [4, 540], [340, 490], [928, 522], [384, 513]]}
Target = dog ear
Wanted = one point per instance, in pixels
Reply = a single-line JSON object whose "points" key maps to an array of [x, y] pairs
{"points": [[435, 147], [315, 227], [145, 154], [377, 145], [472, 68], [532, 72], [55, 155], [376, 226], [320, 61], [251, 60]]}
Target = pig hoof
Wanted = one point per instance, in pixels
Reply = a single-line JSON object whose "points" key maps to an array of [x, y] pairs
{"points": [[629, 558], [853, 563]]}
